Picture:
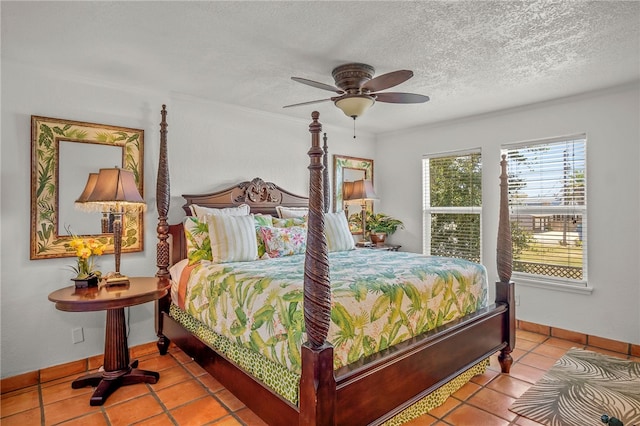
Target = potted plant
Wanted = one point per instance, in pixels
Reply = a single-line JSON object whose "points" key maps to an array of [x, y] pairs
{"points": [[85, 269], [380, 225]]}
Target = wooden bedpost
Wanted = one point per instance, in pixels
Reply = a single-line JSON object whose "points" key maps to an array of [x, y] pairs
{"points": [[505, 288], [162, 253], [325, 175], [317, 382], [162, 201]]}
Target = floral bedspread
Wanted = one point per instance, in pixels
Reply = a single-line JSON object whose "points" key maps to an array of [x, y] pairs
{"points": [[378, 299]]}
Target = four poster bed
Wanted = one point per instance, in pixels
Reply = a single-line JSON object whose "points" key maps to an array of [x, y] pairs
{"points": [[299, 348]]}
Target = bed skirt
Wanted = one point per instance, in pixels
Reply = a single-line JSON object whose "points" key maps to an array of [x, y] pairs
{"points": [[275, 376], [438, 396], [285, 383]]}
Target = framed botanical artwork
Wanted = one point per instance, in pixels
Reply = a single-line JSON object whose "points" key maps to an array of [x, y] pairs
{"points": [[63, 150], [347, 170]]}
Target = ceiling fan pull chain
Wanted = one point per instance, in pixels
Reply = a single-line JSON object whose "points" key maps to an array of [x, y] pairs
{"points": [[354, 127]]}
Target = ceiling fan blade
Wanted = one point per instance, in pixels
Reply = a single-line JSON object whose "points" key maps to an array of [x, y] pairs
{"points": [[308, 103], [317, 85], [400, 98], [387, 80]]}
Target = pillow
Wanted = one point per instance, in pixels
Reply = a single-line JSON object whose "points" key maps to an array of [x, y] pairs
{"points": [[199, 211], [284, 241], [262, 220], [197, 237], [288, 212], [233, 238], [337, 231], [292, 221]]}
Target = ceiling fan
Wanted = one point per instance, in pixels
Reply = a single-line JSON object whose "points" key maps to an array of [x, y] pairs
{"points": [[358, 90]]}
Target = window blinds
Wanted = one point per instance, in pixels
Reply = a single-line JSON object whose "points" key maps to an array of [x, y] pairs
{"points": [[548, 207], [452, 187]]}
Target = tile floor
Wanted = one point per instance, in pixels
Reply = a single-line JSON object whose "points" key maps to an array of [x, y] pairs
{"points": [[187, 395]]}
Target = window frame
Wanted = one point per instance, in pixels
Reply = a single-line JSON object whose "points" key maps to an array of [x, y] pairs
{"points": [[549, 281]]}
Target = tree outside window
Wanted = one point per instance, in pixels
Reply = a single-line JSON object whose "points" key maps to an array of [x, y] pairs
{"points": [[452, 221]]}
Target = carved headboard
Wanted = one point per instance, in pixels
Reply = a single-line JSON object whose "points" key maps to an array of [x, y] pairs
{"points": [[262, 197]]}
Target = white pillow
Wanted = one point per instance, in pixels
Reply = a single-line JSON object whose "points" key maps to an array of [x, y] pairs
{"points": [[337, 231], [200, 211], [233, 238], [289, 212]]}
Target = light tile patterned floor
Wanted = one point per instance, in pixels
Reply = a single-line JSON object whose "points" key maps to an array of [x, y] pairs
{"points": [[187, 395]]}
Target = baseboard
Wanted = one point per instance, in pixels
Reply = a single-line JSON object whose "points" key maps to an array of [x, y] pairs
{"points": [[78, 367], [580, 338], [93, 363]]}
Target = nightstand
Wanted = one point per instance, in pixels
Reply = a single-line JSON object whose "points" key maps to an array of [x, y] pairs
{"points": [[385, 247], [117, 369]]}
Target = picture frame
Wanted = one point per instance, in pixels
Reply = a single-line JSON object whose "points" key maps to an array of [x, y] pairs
{"points": [[47, 238], [347, 169]]}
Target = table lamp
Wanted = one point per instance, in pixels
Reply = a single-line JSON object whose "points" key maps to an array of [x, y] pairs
{"points": [[361, 190], [115, 191], [81, 203]]}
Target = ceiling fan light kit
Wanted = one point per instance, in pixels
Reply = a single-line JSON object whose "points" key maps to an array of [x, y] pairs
{"points": [[354, 105], [358, 90]]}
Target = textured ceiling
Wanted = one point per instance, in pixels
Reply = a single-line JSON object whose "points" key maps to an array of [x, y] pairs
{"points": [[470, 57]]}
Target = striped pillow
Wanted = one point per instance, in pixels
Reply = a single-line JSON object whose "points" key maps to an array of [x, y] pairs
{"points": [[336, 229], [200, 211], [233, 238], [289, 212]]}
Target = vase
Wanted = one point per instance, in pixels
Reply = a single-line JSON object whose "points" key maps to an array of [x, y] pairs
{"points": [[90, 281], [378, 237]]}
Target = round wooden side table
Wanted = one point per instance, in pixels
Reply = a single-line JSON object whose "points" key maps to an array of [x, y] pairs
{"points": [[114, 298]]}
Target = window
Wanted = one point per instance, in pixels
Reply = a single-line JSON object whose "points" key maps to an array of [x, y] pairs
{"points": [[452, 186], [548, 208]]}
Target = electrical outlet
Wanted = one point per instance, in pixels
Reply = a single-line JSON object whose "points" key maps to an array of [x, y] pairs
{"points": [[77, 335]]}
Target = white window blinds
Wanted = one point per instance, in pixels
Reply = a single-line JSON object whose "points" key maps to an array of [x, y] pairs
{"points": [[452, 188], [548, 208]]}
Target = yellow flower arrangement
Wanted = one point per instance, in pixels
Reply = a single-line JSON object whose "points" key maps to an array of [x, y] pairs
{"points": [[85, 250]]}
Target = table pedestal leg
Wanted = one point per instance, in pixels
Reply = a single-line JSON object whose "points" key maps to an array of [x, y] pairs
{"points": [[117, 370]]}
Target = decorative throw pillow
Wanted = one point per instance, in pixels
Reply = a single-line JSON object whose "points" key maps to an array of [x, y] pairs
{"points": [[281, 242], [262, 220], [200, 211], [197, 237], [289, 222], [233, 238], [337, 231], [288, 212]]}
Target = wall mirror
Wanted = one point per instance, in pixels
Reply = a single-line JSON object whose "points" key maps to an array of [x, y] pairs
{"points": [[350, 169], [63, 153]]}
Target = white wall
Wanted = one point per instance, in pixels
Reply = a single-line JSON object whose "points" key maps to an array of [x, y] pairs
{"points": [[226, 144], [210, 147], [611, 121]]}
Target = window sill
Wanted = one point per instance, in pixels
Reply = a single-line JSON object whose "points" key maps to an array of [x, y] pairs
{"points": [[550, 284]]}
